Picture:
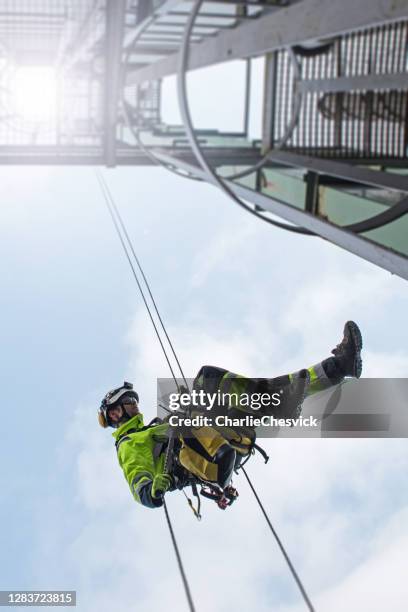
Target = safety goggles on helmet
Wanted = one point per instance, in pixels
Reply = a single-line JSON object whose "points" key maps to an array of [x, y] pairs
{"points": [[117, 397]]}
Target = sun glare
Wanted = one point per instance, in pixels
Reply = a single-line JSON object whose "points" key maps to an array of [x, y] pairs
{"points": [[34, 93]]}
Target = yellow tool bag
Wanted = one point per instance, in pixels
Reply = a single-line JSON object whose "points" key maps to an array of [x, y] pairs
{"points": [[242, 440], [206, 454]]}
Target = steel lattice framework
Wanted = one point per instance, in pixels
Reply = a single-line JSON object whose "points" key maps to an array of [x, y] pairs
{"points": [[339, 82]]}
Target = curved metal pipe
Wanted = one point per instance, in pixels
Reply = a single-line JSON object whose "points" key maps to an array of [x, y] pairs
{"points": [[186, 115]]}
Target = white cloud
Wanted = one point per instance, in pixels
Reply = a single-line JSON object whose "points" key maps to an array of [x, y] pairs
{"points": [[379, 582], [221, 255], [325, 508], [319, 494], [335, 503], [383, 364]]}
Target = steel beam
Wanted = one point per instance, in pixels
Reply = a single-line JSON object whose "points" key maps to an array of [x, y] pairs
{"points": [[207, 15], [145, 49], [365, 176], [161, 10], [218, 156], [247, 103], [354, 243], [125, 155], [150, 37], [115, 20], [396, 81], [295, 24], [256, 3], [269, 101], [204, 26], [312, 193], [175, 32], [37, 15]]}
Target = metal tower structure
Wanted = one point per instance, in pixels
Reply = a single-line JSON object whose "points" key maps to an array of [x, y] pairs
{"points": [[81, 81]]}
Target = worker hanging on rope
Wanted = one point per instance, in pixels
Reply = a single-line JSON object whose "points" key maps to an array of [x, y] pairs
{"points": [[155, 460]]}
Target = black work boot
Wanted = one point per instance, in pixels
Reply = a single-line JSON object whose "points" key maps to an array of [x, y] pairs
{"points": [[293, 395], [347, 354]]}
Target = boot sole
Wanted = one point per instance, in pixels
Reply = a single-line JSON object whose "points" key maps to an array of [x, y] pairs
{"points": [[357, 339]]}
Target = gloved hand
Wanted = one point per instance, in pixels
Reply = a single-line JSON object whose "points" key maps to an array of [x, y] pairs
{"points": [[161, 484]]}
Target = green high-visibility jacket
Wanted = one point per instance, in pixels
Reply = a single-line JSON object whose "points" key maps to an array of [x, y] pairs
{"points": [[141, 456]]}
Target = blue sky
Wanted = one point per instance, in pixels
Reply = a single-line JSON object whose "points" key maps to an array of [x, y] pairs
{"points": [[235, 293]]}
